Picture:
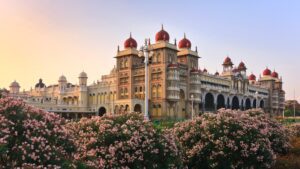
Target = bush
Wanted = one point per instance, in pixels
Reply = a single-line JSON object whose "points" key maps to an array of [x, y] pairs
{"points": [[123, 141], [230, 139], [32, 138]]}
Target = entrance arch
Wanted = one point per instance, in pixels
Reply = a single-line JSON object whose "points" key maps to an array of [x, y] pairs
{"points": [[248, 104], [102, 111], [209, 102], [182, 105], [235, 103], [137, 108], [262, 104], [254, 103], [220, 101]]}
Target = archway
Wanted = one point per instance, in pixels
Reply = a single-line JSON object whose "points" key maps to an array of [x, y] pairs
{"points": [[242, 105], [235, 103], [102, 111], [262, 104], [248, 104], [181, 106], [254, 103], [209, 102], [137, 108], [220, 101], [228, 103]]}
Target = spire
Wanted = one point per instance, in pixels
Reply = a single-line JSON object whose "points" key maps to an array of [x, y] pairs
{"points": [[118, 48], [196, 49], [130, 35], [162, 26], [184, 35], [175, 43]]}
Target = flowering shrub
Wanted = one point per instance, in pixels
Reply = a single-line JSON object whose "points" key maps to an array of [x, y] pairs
{"points": [[123, 141], [32, 138], [295, 130], [230, 139]]}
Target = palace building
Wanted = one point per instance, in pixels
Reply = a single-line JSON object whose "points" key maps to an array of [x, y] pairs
{"points": [[175, 84]]}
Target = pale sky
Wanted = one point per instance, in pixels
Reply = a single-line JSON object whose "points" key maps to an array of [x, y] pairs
{"points": [[47, 38]]}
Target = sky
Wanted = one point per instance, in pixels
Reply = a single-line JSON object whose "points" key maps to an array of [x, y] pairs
{"points": [[48, 38]]}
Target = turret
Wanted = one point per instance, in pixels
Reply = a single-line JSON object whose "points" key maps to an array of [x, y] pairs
{"points": [[83, 92]]}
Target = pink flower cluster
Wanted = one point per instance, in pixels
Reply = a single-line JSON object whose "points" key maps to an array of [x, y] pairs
{"points": [[231, 139], [123, 141], [32, 137]]}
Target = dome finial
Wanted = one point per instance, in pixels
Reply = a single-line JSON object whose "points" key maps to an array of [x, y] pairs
{"points": [[175, 43], [184, 35], [162, 26], [130, 35]]}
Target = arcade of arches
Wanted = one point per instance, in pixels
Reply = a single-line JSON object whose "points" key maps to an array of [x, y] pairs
{"points": [[214, 102]]}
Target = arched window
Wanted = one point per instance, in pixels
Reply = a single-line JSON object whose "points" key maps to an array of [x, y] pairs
{"points": [[159, 91], [126, 63], [154, 89]]}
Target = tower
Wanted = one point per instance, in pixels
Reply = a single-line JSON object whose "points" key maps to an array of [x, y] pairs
{"points": [[83, 90]]}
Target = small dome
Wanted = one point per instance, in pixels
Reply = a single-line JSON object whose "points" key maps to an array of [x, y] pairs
{"points": [[217, 73], [82, 75], [162, 35], [40, 84], [184, 43], [130, 43], [242, 66], [227, 61], [205, 70], [267, 72], [14, 84], [62, 78], [274, 74], [252, 77]]}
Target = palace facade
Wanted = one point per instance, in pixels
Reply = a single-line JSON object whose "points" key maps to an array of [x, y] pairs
{"points": [[175, 84]]}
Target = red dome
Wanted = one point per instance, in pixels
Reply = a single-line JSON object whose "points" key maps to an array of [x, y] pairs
{"points": [[227, 61], [242, 66], [184, 43], [162, 35], [217, 74], [130, 43], [274, 74], [252, 77], [267, 72], [204, 70]]}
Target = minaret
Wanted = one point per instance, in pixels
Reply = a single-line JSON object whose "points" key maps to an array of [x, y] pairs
{"points": [[83, 92]]}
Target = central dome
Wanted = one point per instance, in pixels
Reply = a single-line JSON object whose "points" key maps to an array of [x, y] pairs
{"points": [[130, 43], [184, 43], [267, 72], [162, 35]]}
